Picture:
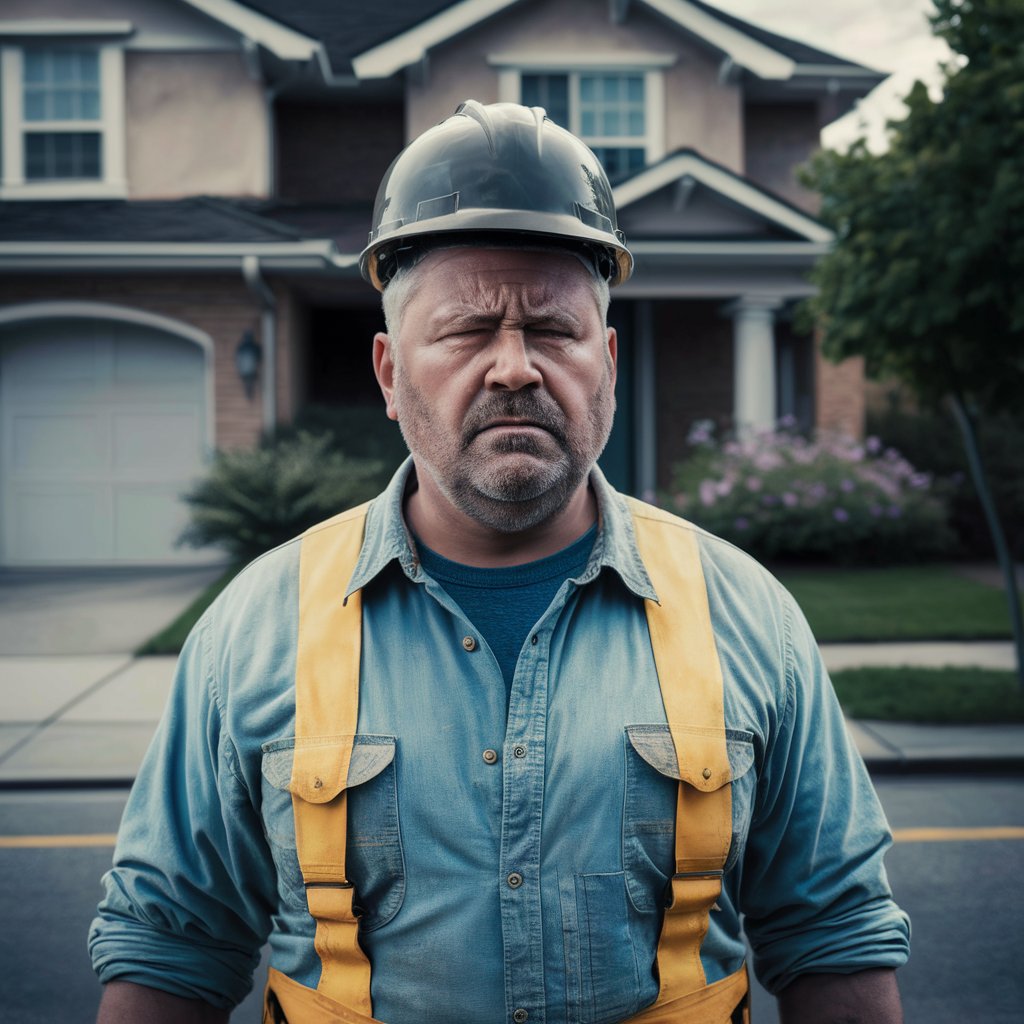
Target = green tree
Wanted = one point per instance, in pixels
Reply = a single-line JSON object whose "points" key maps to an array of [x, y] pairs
{"points": [[926, 279]]}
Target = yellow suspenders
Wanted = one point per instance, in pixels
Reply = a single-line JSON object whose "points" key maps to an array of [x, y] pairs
{"points": [[326, 713]]}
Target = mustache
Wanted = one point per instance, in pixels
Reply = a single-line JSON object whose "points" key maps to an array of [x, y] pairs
{"points": [[533, 406]]}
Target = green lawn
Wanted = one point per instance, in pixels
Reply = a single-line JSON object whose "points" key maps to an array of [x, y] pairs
{"points": [[965, 695], [930, 602]]}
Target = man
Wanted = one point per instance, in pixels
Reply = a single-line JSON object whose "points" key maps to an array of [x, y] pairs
{"points": [[503, 746]]}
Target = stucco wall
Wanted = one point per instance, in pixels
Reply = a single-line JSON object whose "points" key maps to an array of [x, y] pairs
{"points": [[698, 110], [779, 138], [196, 123]]}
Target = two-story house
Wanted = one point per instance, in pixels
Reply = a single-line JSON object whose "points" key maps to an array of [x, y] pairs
{"points": [[185, 187]]}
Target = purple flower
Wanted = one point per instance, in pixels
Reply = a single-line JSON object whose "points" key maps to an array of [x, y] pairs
{"points": [[840, 515], [790, 500], [753, 483], [741, 523], [894, 511], [873, 445], [707, 493], [920, 481], [846, 486]]}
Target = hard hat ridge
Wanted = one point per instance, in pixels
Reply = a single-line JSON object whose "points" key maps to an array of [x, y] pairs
{"points": [[497, 173]]}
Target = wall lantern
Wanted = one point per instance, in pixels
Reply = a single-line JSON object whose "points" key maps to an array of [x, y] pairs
{"points": [[247, 362]]}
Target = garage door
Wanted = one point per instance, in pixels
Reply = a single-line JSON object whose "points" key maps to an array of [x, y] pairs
{"points": [[101, 429]]}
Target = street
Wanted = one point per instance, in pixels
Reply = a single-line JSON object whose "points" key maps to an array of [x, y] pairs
{"points": [[962, 890]]}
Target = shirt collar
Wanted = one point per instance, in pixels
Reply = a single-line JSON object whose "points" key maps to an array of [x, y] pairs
{"points": [[386, 537]]}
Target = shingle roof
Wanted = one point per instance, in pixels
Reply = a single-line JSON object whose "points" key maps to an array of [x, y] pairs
{"points": [[195, 220], [348, 28]]}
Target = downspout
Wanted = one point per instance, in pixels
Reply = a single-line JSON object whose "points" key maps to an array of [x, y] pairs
{"points": [[268, 335]]}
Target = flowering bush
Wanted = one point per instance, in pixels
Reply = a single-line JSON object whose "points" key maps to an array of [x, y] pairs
{"points": [[782, 496]]}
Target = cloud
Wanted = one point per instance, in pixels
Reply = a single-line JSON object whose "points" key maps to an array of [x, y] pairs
{"points": [[887, 36]]}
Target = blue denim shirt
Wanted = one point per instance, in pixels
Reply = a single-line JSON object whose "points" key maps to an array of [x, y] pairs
{"points": [[575, 803]]}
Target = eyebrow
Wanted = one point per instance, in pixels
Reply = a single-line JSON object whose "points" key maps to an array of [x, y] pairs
{"points": [[461, 317]]}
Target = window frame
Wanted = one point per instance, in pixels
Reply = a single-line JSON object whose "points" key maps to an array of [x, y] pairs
{"points": [[650, 67], [112, 183]]}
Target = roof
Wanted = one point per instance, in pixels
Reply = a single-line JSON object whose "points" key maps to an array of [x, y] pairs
{"points": [[350, 29], [690, 166], [195, 219]]}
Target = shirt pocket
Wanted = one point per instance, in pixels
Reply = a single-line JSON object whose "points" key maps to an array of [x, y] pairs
{"points": [[374, 861], [653, 771]]}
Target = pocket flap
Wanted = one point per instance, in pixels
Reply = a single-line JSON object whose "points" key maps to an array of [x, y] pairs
{"points": [[317, 769], [702, 760]]}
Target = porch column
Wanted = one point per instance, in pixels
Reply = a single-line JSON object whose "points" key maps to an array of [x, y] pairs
{"points": [[754, 402]]}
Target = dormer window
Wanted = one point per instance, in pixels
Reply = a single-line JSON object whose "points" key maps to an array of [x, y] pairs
{"points": [[614, 102], [62, 118]]}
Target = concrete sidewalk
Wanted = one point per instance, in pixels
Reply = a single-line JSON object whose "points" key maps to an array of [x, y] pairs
{"points": [[75, 709], [87, 719]]}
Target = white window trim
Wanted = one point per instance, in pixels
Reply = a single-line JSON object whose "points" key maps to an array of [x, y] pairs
{"points": [[113, 184], [652, 142]]}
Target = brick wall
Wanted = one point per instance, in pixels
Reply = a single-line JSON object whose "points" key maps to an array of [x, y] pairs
{"points": [[839, 395], [219, 305], [337, 154], [694, 372]]}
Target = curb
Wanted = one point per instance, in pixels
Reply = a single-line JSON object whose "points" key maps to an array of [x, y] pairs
{"points": [[893, 766]]}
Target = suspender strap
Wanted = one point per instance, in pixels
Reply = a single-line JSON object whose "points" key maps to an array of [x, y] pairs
{"points": [[691, 686], [326, 714]]}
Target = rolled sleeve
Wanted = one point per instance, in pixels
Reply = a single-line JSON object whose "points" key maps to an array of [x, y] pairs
{"points": [[188, 901], [814, 888]]}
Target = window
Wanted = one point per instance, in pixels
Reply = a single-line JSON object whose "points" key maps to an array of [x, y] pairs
{"points": [[608, 110], [61, 96], [63, 120]]}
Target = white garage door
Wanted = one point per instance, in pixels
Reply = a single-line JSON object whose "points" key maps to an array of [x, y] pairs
{"points": [[101, 429]]}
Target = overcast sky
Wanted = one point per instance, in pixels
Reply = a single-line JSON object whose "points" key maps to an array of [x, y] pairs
{"points": [[888, 35]]}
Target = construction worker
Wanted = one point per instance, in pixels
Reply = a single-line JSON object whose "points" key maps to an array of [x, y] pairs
{"points": [[503, 745]]}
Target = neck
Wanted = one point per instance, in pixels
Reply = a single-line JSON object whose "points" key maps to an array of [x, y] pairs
{"points": [[460, 538]]}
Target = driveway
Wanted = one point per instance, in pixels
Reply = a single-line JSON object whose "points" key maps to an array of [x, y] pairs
{"points": [[92, 611]]}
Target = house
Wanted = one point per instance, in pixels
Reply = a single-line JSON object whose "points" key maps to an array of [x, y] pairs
{"points": [[185, 187]]}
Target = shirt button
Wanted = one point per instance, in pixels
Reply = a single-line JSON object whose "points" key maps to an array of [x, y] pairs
{"points": [[519, 751], [469, 643], [514, 880], [520, 1016], [490, 756], [533, 640]]}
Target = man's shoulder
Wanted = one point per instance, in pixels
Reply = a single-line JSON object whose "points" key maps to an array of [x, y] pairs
{"points": [[733, 578]]}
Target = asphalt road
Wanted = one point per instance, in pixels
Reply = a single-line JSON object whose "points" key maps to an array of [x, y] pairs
{"points": [[962, 890]]}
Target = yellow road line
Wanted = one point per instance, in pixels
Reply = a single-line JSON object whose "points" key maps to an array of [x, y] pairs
{"points": [[951, 835], [43, 842]]}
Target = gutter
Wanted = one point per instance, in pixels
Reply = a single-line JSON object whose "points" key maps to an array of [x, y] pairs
{"points": [[317, 256]]}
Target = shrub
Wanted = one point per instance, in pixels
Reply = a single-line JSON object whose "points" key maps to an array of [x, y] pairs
{"points": [[254, 499], [780, 495], [932, 442]]}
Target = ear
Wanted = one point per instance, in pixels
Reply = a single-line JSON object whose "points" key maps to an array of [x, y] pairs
{"points": [[384, 368], [613, 353]]}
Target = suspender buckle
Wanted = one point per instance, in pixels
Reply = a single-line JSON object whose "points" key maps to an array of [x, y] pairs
{"points": [[343, 884]]}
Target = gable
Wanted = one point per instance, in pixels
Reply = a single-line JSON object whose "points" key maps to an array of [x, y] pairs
{"points": [[686, 196]]}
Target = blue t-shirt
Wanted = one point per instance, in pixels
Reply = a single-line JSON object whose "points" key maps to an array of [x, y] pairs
{"points": [[505, 603]]}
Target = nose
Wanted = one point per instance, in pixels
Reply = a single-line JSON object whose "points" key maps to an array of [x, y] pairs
{"points": [[512, 366]]}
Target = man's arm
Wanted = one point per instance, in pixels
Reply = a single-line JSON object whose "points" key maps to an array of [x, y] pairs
{"points": [[866, 997], [127, 1003]]}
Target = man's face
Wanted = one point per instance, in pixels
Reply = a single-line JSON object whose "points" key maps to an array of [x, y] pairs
{"points": [[502, 381]]}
